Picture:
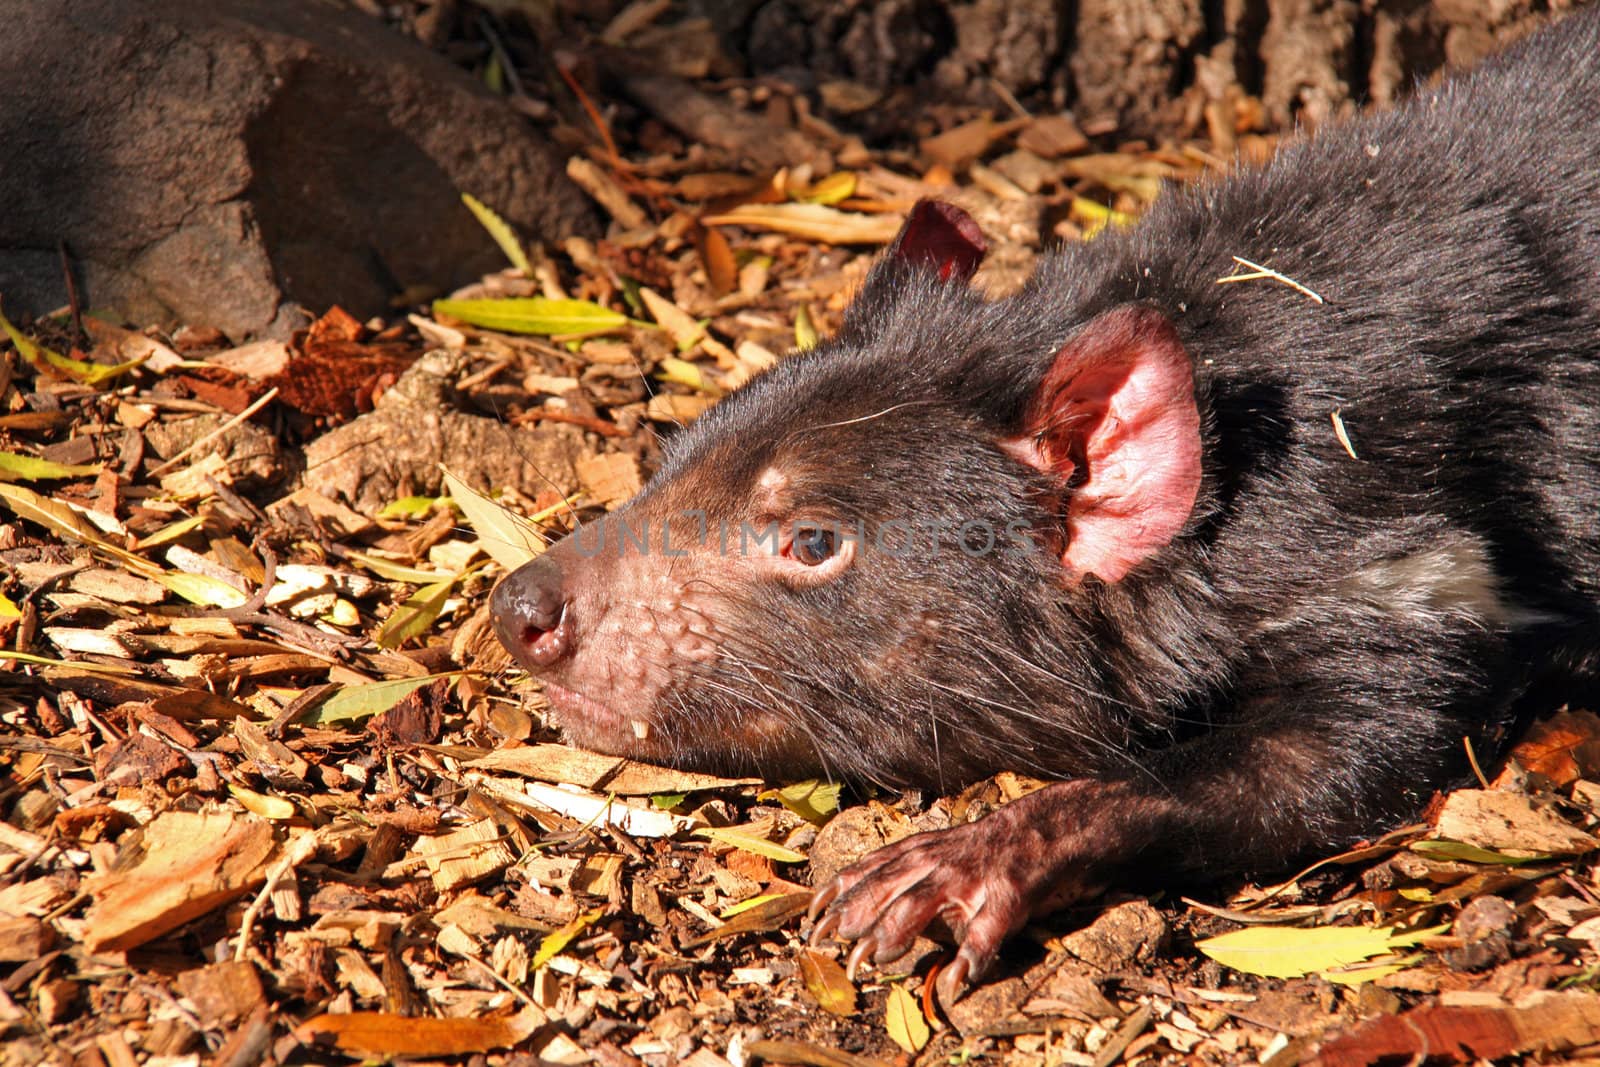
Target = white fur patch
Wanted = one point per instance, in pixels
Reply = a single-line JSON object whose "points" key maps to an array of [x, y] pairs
{"points": [[1455, 578]]}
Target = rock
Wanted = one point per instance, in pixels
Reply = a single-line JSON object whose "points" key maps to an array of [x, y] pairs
{"points": [[852, 834], [253, 454], [1122, 936], [396, 449], [223, 162]]}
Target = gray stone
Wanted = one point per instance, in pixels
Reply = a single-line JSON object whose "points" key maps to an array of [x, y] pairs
{"points": [[221, 162]]}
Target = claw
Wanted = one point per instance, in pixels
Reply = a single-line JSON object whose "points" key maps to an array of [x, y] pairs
{"points": [[952, 980], [864, 948], [823, 930], [822, 898]]}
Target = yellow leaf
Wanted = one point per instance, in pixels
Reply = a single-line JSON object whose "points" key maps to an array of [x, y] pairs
{"points": [[77, 665], [409, 507], [685, 330], [1093, 217], [1293, 952], [61, 519], [805, 331], [840, 185], [813, 222], [746, 905], [19, 468], [827, 981], [557, 940], [202, 589], [534, 314], [509, 539], [276, 808], [1362, 973], [8, 608], [500, 230], [813, 800], [685, 373], [749, 842], [171, 531], [45, 358], [902, 1017]]}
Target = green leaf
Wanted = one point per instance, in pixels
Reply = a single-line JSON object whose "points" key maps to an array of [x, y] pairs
{"points": [[390, 571], [19, 468], [534, 314], [415, 616], [509, 539], [749, 842], [1459, 850], [1293, 952], [667, 801], [360, 701], [903, 1018], [500, 230], [409, 507]]}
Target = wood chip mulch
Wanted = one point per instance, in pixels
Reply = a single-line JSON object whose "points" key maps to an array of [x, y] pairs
{"points": [[271, 792]]}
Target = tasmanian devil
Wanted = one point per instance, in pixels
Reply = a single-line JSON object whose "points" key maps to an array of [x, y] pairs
{"points": [[1239, 566]]}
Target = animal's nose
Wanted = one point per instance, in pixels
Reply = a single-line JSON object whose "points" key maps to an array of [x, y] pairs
{"points": [[532, 614]]}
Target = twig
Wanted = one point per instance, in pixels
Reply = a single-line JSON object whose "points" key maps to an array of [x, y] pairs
{"points": [[1340, 432], [507, 67], [1259, 272], [74, 302], [300, 849], [595, 117]]}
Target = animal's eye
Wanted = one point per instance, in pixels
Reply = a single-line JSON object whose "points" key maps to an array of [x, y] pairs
{"points": [[813, 546]]}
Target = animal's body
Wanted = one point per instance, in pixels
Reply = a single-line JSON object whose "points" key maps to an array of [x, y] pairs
{"points": [[1106, 531]]}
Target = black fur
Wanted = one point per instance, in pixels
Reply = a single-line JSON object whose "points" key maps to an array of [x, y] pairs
{"points": [[1288, 674]]}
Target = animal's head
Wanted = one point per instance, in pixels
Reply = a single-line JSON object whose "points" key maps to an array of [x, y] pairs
{"points": [[880, 558]]}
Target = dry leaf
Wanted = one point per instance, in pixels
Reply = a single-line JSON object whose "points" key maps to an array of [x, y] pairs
{"points": [[382, 1034], [825, 979], [1504, 821], [813, 222], [903, 1019]]}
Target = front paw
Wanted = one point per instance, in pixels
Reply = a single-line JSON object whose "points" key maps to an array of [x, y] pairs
{"points": [[982, 889]]}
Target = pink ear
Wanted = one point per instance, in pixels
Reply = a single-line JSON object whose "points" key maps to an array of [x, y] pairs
{"points": [[941, 237], [1115, 420]]}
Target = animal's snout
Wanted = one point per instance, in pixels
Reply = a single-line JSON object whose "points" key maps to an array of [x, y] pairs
{"points": [[533, 614]]}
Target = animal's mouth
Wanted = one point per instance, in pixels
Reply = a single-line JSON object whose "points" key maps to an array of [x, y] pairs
{"points": [[595, 724]]}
